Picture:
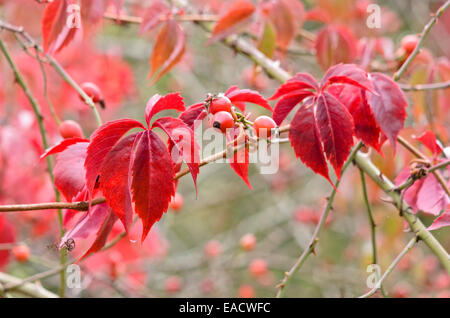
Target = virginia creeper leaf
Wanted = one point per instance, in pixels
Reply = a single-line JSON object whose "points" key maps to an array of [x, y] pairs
{"points": [[193, 115], [159, 103], [336, 129], [236, 14], [428, 138], [241, 96], [102, 234], [183, 139], [441, 221], [55, 31], [115, 179], [347, 74], [102, 141], [168, 50], [298, 82], [239, 162], [287, 103], [153, 180], [388, 107], [305, 139], [335, 44]]}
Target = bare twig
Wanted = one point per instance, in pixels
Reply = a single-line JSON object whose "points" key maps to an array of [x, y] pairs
{"points": [[425, 87], [372, 223], [391, 267], [422, 37], [315, 237]]}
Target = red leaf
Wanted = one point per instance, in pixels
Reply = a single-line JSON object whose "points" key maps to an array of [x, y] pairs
{"points": [[184, 141], [425, 194], [347, 74], [287, 18], [335, 44], [193, 114], [299, 81], [115, 178], [237, 14], [431, 198], [240, 160], [103, 140], [102, 234], [158, 103], [305, 139], [63, 145], [428, 138], [153, 15], [241, 96], [69, 170], [442, 221], [388, 106], [354, 99], [55, 31], [88, 224], [287, 102], [336, 129], [7, 235], [168, 50], [153, 180]]}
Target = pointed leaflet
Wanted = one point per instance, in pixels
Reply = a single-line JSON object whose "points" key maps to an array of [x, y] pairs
{"points": [[305, 139], [287, 102], [347, 74], [236, 14], [442, 221], [299, 81], [102, 234], [431, 198], [159, 103], [56, 32], [428, 138], [241, 96], [287, 18], [183, 139], [168, 50], [193, 115], [354, 99], [153, 180], [62, 146], [335, 44], [115, 179], [388, 107], [88, 223], [102, 141], [410, 194], [153, 15], [239, 162], [69, 169], [336, 129], [425, 194]]}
